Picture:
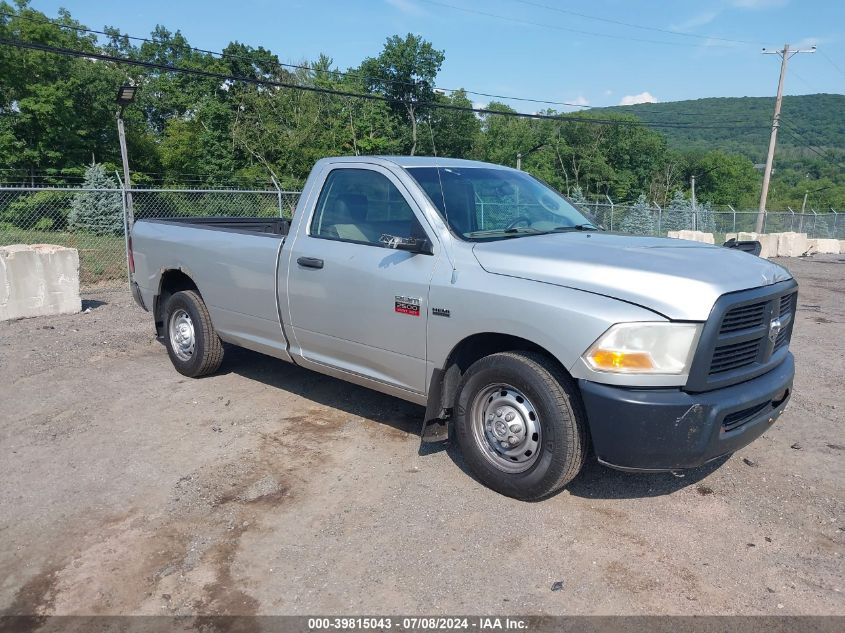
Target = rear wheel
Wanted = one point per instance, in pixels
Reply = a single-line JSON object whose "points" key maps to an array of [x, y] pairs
{"points": [[520, 424], [192, 344]]}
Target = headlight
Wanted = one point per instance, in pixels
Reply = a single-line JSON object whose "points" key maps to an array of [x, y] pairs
{"points": [[645, 348]]}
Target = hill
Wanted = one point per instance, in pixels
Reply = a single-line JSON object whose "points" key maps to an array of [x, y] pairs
{"points": [[742, 124]]}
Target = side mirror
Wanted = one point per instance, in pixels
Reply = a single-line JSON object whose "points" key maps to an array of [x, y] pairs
{"points": [[410, 244]]}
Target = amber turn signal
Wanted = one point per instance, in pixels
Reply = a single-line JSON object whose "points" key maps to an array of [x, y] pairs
{"points": [[613, 360]]}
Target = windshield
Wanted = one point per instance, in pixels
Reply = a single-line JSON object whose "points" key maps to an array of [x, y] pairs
{"points": [[481, 203]]}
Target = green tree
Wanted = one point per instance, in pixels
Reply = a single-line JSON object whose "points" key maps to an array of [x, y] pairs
{"points": [[404, 72], [98, 212], [639, 219], [576, 196], [505, 136], [678, 215], [723, 178], [57, 111], [453, 132]]}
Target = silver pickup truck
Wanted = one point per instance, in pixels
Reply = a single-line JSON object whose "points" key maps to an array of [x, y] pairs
{"points": [[479, 292]]}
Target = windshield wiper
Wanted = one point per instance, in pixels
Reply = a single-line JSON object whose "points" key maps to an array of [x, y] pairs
{"points": [[522, 229], [578, 227]]}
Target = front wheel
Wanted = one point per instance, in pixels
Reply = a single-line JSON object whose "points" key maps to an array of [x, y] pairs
{"points": [[520, 424], [192, 344]]}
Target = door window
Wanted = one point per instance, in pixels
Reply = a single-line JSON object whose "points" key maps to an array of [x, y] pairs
{"points": [[362, 206]]}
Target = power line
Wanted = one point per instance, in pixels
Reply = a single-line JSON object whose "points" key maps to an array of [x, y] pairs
{"points": [[635, 26], [832, 63], [818, 152], [797, 134], [332, 91], [557, 27], [223, 55]]}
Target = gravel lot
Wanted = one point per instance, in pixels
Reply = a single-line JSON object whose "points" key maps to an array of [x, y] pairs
{"points": [[127, 488]]}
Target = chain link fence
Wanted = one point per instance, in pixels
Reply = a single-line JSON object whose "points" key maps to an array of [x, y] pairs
{"points": [[717, 221], [92, 220]]}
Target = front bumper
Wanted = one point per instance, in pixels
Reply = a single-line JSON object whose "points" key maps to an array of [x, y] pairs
{"points": [[670, 429]]}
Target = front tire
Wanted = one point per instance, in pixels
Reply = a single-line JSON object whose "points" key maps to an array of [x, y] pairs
{"points": [[192, 344], [520, 424]]}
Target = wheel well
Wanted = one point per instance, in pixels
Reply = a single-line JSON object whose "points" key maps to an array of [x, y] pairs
{"points": [[445, 382], [172, 281]]}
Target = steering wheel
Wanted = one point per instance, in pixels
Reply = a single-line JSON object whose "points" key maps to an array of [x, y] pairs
{"points": [[523, 219]]}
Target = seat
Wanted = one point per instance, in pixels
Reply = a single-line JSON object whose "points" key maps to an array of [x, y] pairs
{"points": [[459, 197], [347, 218]]}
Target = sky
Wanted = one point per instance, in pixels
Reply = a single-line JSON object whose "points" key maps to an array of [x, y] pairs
{"points": [[538, 49]]}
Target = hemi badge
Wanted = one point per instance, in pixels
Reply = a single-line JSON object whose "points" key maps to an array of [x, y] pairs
{"points": [[407, 305], [443, 312]]}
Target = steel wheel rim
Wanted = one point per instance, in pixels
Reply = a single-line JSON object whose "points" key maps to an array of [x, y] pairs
{"points": [[182, 336], [506, 428]]}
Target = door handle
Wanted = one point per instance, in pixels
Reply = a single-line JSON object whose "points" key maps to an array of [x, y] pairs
{"points": [[310, 262]]}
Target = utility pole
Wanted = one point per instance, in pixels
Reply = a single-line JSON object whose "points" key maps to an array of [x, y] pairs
{"points": [[692, 202], [785, 54]]}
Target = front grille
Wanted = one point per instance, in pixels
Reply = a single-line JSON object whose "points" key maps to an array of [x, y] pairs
{"points": [[782, 339], [730, 357], [787, 304], [743, 317], [738, 342], [733, 421]]}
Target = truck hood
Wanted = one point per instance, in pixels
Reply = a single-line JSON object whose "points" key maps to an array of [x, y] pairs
{"points": [[679, 279]]}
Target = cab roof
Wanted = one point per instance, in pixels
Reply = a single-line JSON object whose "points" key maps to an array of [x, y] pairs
{"points": [[418, 161]]}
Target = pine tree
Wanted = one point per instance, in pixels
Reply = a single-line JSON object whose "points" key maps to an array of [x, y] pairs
{"points": [[639, 220], [678, 215], [576, 197], [98, 212], [706, 219]]}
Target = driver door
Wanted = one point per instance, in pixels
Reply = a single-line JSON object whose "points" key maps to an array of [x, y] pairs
{"points": [[356, 304]]}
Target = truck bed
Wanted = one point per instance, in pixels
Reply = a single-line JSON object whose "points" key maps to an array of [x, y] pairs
{"points": [[274, 226], [233, 262]]}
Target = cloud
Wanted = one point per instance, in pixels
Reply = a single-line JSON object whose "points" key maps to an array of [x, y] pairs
{"points": [[758, 4], [608, 92], [406, 6], [581, 100], [807, 42], [643, 97], [695, 21]]}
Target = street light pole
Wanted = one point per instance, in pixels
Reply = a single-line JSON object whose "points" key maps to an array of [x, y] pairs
{"points": [[123, 154], [125, 96]]}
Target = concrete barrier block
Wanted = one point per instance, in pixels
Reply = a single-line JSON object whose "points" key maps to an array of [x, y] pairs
{"points": [[38, 280], [792, 244], [768, 242], [694, 236], [841, 246], [823, 246]]}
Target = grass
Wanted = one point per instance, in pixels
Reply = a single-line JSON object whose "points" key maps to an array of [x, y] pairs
{"points": [[101, 257]]}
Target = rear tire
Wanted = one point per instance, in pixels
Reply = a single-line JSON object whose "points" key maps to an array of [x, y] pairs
{"points": [[192, 344], [520, 424]]}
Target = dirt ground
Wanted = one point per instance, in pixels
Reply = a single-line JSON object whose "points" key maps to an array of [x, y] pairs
{"points": [[126, 488]]}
